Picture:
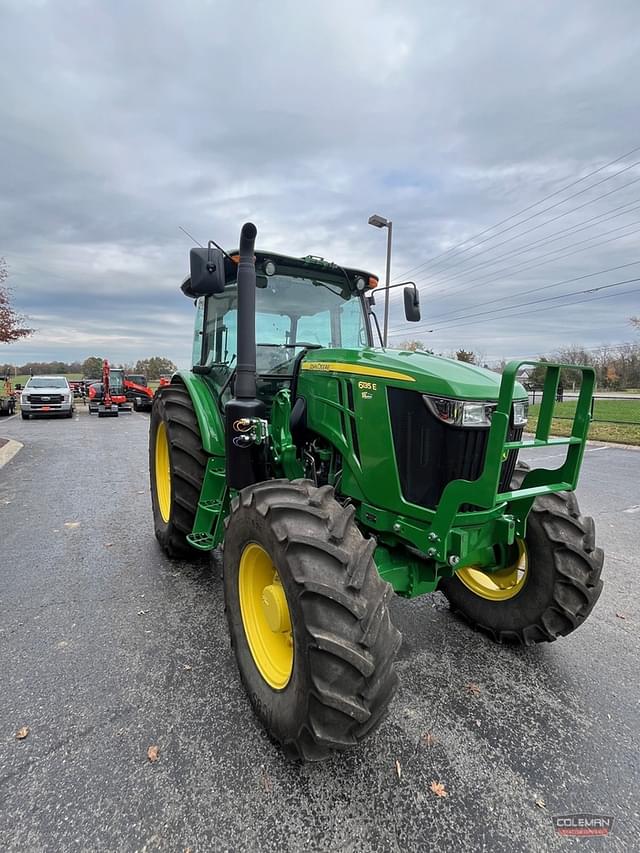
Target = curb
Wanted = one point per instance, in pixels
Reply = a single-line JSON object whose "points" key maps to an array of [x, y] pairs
{"points": [[9, 450], [613, 444], [594, 443]]}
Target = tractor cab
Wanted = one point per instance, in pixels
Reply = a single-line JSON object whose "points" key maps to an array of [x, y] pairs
{"points": [[302, 304]]}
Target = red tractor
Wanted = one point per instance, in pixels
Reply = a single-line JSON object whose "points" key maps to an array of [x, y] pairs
{"points": [[108, 398]]}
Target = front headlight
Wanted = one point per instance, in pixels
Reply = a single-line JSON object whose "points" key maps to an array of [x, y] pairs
{"points": [[477, 414], [460, 412], [520, 412], [24, 398]]}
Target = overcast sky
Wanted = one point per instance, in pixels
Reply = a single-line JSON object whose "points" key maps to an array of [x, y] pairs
{"points": [[120, 121]]}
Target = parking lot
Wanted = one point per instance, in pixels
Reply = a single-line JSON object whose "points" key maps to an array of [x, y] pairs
{"points": [[107, 648]]}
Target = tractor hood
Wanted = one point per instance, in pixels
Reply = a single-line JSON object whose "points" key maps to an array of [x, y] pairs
{"points": [[428, 374]]}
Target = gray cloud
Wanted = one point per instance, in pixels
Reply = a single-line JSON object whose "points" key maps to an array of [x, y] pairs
{"points": [[121, 121]]}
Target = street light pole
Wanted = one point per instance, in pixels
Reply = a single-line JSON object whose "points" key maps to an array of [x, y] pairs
{"points": [[381, 222], [385, 328]]}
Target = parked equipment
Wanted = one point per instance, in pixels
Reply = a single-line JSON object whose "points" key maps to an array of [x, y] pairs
{"points": [[336, 472], [138, 392], [108, 399], [7, 398]]}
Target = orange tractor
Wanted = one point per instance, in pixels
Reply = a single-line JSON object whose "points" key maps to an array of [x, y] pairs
{"points": [[138, 392]]}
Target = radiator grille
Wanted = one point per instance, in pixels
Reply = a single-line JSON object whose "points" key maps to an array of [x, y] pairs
{"points": [[430, 454]]}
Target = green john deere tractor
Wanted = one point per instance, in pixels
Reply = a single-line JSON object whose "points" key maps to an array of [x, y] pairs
{"points": [[335, 472]]}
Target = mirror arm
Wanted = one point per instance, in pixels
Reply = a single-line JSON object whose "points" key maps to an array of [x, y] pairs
{"points": [[400, 284]]}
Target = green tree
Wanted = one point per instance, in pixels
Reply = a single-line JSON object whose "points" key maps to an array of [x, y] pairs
{"points": [[536, 376], [154, 367], [92, 366], [12, 326]]}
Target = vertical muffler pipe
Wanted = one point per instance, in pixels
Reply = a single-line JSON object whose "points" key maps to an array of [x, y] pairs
{"points": [[245, 458], [246, 370]]}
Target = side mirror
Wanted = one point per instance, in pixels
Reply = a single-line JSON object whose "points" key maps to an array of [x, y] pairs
{"points": [[207, 273], [412, 304]]}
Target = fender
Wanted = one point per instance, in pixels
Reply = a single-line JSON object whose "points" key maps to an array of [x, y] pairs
{"points": [[207, 412]]}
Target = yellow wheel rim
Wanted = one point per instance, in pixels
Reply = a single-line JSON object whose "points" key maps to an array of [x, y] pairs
{"points": [[265, 616], [163, 473], [502, 584]]}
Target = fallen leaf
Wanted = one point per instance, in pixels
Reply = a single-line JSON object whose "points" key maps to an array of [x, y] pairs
{"points": [[142, 612], [153, 753], [398, 769], [428, 739], [266, 781], [187, 666], [109, 545], [473, 688], [22, 733], [71, 525], [438, 789], [541, 803], [621, 616]]}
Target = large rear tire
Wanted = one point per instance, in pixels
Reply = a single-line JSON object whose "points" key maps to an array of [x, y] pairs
{"points": [[554, 586], [309, 618], [177, 465]]}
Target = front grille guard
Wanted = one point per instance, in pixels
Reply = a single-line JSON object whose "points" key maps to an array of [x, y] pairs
{"points": [[484, 492]]}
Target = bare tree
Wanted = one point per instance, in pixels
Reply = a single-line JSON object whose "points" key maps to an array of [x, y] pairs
{"points": [[12, 326], [414, 346]]}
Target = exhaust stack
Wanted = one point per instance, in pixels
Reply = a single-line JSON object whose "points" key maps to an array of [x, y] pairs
{"points": [[246, 370], [244, 450]]}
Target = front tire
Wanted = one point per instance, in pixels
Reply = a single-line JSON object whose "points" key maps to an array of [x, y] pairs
{"points": [[561, 583], [177, 466], [308, 616], [25, 416]]}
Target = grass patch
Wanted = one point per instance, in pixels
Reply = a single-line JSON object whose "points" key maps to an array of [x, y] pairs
{"points": [[625, 414], [22, 379]]}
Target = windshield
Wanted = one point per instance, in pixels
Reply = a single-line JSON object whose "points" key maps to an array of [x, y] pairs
{"points": [[291, 313], [47, 382]]}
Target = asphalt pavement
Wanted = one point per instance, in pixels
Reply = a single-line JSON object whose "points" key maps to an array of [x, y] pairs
{"points": [[108, 648]]}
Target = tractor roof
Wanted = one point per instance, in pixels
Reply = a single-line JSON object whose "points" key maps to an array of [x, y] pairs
{"points": [[308, 266]]}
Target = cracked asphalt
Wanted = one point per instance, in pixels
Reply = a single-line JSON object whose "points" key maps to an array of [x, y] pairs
{"points": [[107, 647]]}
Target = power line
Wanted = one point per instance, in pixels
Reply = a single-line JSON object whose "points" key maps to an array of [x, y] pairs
{"points": [[549, 238], [546, 308], [510, 271], [439, 317], [551, 307], [495, 311], [453, 249], [536, 301]]}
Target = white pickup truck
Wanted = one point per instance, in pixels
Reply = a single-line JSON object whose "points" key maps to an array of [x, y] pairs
{"points": [[46, 395]]}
